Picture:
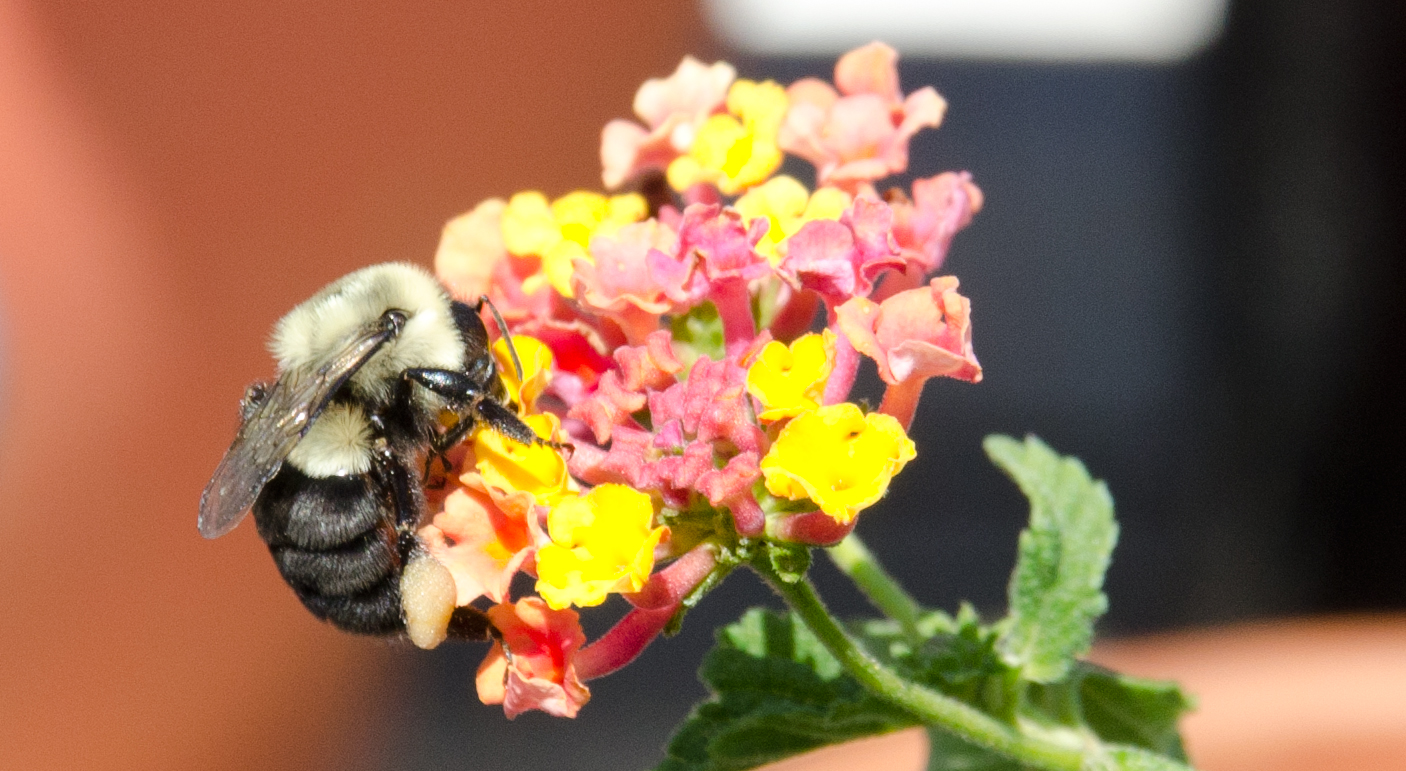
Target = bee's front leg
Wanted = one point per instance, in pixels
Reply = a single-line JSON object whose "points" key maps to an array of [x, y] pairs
{"points": [[461, 390]]}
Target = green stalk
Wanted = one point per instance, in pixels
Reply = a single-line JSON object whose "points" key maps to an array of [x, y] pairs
{"points": [[927, 705], [855, 560]]}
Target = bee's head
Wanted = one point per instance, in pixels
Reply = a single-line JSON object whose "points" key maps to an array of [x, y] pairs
{"points": [[425, 336], [479, 360]]}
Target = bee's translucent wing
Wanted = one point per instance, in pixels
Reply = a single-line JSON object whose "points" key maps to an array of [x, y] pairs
{"points": [[276, 424]]}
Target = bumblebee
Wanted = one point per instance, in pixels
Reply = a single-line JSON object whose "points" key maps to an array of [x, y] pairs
{"points": [[327, 454]]}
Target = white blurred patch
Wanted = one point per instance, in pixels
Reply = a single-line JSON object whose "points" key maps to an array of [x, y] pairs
{"points": [[1049, 30]]}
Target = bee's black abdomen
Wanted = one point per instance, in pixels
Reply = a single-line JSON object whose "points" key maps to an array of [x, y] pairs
{"points": [[376, 611], [334, 540], [297, 510], [348, 569]]}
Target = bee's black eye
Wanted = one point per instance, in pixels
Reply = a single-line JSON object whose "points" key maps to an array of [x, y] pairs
{"points": [[396, 319], [482, 369]]}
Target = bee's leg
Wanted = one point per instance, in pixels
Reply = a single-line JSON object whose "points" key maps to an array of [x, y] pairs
{"points": [[440, 445], [404, 497], [461, 389], [507, 423], [426, 610], [422, 621], [430, 458], [444, 442], [470, 623], [456, 387], [428, 479]]}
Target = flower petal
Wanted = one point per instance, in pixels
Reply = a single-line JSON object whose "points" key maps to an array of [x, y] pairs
{"points": [[941, 206], [480, 543], [789, 380], [871, 69], [536, 360], [541, 672], [538, 469], [840, 260], [862, 136], [922, 333], [471, 248]]}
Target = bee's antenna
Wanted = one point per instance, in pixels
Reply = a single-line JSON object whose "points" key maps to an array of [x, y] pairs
{"points": [[503, 328]]}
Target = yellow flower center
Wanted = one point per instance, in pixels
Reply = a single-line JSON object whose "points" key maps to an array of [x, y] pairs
{"points": [[787, 206], [531, 468]]}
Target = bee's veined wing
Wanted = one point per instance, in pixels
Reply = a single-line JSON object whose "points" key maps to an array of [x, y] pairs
{"points": [[274, 427]]}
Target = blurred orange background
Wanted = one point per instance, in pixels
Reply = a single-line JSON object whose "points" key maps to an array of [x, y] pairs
{"points": [[173, 177]]}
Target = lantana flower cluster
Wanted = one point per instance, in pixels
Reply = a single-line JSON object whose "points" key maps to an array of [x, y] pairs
{"points": [[689, 338]]}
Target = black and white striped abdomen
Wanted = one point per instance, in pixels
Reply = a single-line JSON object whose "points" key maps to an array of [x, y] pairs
{"points": [[335, 541]]}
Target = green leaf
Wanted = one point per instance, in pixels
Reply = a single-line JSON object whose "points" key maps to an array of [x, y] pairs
{"points": [[1056, 591], [1124, 758], [948, 753], [888, 640], [957, 658], [776, 692], [1134, 711]]}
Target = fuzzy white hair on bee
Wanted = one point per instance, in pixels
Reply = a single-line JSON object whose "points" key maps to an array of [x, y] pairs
{"points": [[338, 443], [306, 336]]}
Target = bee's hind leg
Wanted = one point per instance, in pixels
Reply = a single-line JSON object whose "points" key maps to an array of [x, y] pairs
{"points": [[471, 624]]}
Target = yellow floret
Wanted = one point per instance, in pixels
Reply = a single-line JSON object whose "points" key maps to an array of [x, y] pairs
{"points": [[508, 465], [787, 206], [536, 359], [738, 150], [602, 542], [789, 380], [561, 232], [838, 457]]}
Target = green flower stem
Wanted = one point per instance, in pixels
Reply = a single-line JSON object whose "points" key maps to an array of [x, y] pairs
{"points": [[927, 705], [855, 560]]}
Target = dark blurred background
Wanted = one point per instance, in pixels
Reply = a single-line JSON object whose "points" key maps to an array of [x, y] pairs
{"points": [[1187, 274]]}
